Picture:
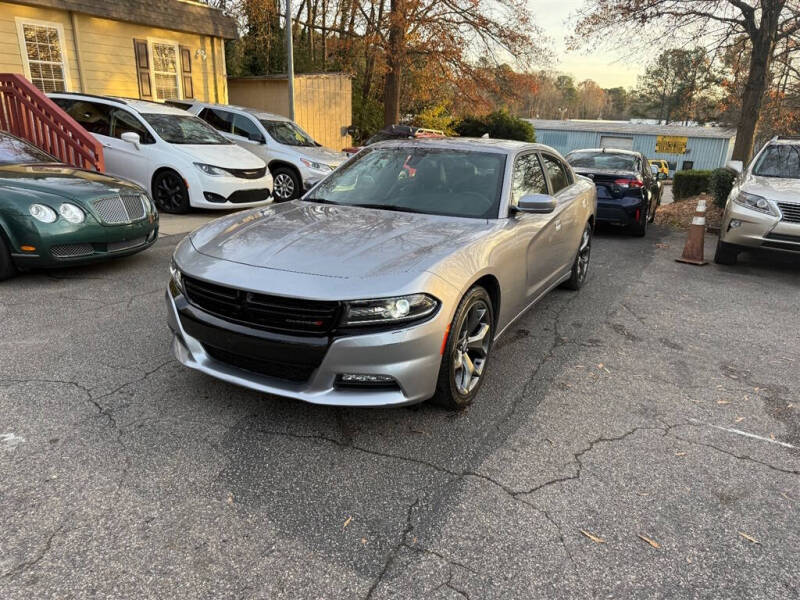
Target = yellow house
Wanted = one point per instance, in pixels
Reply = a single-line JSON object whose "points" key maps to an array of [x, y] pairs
{"points": [[149, 49]]}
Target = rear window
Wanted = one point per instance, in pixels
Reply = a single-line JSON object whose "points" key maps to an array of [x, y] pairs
{"points": [[779, 160], [602, 160], [14, 151]]}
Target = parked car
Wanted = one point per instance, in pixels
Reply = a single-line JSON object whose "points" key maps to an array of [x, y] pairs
{"points": [[627, 192], [763, 208], [52, 214], [178, 157], [399, 284], [662, 165], [295, 160], [397, 132]]}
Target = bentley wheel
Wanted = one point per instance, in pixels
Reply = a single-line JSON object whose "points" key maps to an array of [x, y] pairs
{"points": [[170, 193], [7, 268], [580, 268], [286, 184], [467, 351]]}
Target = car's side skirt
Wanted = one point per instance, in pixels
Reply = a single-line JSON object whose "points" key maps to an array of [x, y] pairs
{"points": [[547, 290]]}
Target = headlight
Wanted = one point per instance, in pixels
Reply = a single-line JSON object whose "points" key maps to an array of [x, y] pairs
{"points": [[175, 277], [754, 202], [42, 213], [315, 165], [389, 310], [211, 170], [71, 213]]}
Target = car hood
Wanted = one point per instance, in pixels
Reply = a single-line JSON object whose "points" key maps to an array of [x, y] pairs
{"points": [[227, 156], [774, 188], [323, 155], [61, 180], [336, 241]]}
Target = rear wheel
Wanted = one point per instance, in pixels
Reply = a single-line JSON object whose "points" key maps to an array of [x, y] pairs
{"points": [[639, 229], [580, 268], [726, 254], [7, 268], [286, 184], [467, 350], [170, 192], [656, 204]]}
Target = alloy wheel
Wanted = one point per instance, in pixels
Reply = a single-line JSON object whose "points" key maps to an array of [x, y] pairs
{"points": [[284, 186], [472, 348], [584, 253], [170, 192]]}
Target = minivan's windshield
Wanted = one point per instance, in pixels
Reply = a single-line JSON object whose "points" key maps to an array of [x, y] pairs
{"points": [[14, 151], [779, 160], [184, 129], [602, 160], [286, 132], [435, 181]]}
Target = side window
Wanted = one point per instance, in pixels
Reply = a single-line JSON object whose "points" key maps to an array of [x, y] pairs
{"points": [[122, 121], [245, 127], [528, 178], [92, 116], [556, 172], [219, 119]]}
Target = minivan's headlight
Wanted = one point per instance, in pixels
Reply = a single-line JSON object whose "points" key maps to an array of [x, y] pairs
{"points": [[754, 202], [42, 213], [389, 310], [211, 170], [72, 213]]}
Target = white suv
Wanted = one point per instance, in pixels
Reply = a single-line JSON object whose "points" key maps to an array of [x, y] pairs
{"points": [[178, 157], [296, 161], [763, 208]]}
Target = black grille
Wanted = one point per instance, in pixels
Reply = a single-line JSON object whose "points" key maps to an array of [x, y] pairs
{"points": [[272, 313], [791, 212], [71, 250], [248, 173], [270, 368], [242, 196]]}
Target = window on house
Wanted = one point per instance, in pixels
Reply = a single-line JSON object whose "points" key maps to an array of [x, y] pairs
{"points": [[165, 71], [44, 52]]}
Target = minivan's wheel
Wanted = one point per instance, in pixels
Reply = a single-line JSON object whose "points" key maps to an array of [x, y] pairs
{"points": [[7, 268], [726, 254], [170, 193], [467, 350], [639, 229], [581, 265], [286, 184]]}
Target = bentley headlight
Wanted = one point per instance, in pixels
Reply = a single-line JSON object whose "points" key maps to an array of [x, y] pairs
{"points": [[42, 213], [754, 202], [389, 310], [72, 213]]}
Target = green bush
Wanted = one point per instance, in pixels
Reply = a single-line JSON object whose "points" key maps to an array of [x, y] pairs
{"points": [[720, 185], [690, 183], [499, 125]]}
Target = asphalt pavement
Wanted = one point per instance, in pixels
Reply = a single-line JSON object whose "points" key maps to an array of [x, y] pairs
{"points": [[638, 439]]}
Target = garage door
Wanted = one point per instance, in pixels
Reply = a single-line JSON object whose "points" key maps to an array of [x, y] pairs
{"points": [[621, 143]]}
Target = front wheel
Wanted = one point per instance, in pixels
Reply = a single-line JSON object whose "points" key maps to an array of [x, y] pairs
{"points": [[463, 366], [7, 268], [726, 254], [286, 184], [580, 267], [170, 192]]}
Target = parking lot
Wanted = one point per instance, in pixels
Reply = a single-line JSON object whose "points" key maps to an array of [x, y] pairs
{"points": [[640, 438]]}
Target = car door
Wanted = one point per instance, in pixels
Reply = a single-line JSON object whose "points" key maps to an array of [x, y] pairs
{"points": [[535, 234], [249, 136], [567, 222], [124, 158], [221, 120]]}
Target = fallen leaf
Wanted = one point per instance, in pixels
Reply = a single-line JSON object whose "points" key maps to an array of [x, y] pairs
{"points": [[594, 538], [749, 538], [364, 541], [660, 245], [346, 523], [643, 493], [230, 498], [653, 543], [772, 436], [680, 454], [739, 419], [790, 405], [723, 401], [600, 366]]}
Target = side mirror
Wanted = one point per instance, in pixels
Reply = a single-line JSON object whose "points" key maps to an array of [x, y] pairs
{"points": [[661, 176], [131, 137], [736, 165], [536, 203]]}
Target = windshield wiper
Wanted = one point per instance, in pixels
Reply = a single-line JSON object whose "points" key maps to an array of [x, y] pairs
{"points": [[392, 207]]}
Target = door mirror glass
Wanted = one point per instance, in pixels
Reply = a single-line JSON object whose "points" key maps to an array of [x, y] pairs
{"points": [[736, 165], [131, 137], [536, 203]]}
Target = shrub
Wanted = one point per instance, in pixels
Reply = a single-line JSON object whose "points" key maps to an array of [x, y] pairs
{"points": [[689, 183], [499, 125], [720, 185], [435, 117]]}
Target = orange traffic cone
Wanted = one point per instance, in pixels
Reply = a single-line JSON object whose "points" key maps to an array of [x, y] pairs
{"points": [[693, 250]]}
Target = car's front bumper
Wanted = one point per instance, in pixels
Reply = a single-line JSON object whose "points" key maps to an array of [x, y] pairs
{"points": [[410, 355], [227, 192], [748, 228]]}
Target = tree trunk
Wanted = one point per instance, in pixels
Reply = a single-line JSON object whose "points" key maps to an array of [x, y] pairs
{"points": [[394, 62], [753, 97]]}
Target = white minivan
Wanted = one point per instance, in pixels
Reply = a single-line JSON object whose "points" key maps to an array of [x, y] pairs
{"points": [[296, 161], [176, 156]]}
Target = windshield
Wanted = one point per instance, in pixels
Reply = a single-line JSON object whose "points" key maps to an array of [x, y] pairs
{"points": [[602, 160], [14, 151], [286, 132], [433, 181], [183, 129], [779, 160]]}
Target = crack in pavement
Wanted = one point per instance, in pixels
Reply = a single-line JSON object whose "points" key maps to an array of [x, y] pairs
{"points": [[393, 553], [23, 566], [744, 457]]}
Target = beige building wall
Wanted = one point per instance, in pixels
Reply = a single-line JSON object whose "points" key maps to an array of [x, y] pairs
{"points": [[107, 64], [323, 103]]}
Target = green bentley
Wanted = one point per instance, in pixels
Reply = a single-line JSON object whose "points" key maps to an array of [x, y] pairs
{"points": [[53, 215]]}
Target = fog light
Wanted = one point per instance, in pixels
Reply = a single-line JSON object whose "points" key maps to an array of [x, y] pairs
{"points": [[734, 224], [365, 380], [212, 197]]}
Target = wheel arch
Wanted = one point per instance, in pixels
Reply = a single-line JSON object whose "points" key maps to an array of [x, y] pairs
{"points": [[162, 169], [278, 163], [492, 286]]}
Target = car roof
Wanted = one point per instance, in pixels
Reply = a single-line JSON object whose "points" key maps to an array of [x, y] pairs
{"points": [[140, 106], [609, 151], [256, 112], [464, 143]]}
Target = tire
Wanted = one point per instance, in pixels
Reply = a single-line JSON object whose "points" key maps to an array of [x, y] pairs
{"points": [[453, 389], [580, 267], [652, 216], [170, 192], [640, 229], [726, 254], [286, 184], [7, 268]]}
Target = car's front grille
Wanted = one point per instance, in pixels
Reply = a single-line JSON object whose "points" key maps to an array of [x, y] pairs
{"points": [[791, 212], [242, 196], [126, 245], [248, 173], [123, 208], [71, 250], [272, 313], [270, 368]]}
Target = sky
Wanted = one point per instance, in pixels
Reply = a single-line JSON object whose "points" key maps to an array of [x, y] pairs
{"points": [[604, 66]]}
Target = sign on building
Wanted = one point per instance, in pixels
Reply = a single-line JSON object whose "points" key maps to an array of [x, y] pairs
{"points": [[671, 144]]}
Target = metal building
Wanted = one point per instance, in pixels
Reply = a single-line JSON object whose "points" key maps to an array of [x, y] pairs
{"points": [[682, 147]]}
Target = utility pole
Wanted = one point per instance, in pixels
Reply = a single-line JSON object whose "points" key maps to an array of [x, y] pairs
{"points": [[290, 57]]}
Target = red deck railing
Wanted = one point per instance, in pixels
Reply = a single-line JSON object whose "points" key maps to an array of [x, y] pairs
{"points": [[27, 113]]}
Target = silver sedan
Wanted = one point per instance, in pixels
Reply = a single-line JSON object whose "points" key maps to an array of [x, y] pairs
{"points": [[388, 282]]}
